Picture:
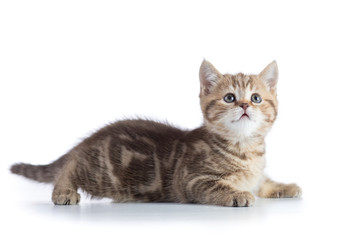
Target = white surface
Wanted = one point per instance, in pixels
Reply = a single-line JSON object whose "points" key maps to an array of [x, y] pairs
{"points": [[312, 216], [69, 67]]}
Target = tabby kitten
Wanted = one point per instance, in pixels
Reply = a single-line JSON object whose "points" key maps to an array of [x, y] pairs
{"points": [[219, 163]]}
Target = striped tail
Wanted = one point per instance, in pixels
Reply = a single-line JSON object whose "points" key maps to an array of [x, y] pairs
{"points": [[40, 173]]}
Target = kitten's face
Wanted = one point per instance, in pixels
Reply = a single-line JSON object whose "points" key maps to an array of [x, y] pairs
{"points": [[238, 106]]}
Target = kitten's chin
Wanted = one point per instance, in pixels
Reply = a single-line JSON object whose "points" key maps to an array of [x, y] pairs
{"points": [[236, 130], [244, 127]]}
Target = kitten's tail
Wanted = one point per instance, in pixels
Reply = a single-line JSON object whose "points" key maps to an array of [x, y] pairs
{"points": [[40, 173]]}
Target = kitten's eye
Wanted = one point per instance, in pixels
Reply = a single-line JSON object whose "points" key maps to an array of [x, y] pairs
{"points": [[255, 98], [229, 98]]}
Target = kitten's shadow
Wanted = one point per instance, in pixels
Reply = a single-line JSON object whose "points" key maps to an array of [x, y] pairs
{"points": [[166, 212]]}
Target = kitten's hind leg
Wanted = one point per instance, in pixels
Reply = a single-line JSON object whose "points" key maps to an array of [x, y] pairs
{"points": [[65, 189], [65, 196]]}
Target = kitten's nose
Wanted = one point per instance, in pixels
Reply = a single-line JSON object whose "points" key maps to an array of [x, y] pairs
{"points": [[244, 106]]}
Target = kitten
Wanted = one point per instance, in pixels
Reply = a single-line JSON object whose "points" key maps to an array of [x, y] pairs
{"points": [[219, 163]]}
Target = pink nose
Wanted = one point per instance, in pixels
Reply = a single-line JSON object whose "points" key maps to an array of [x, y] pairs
{"points": [[244, 106]]}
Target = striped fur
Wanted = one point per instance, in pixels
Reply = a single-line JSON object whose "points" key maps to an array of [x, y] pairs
{"points": [[219, 163]]}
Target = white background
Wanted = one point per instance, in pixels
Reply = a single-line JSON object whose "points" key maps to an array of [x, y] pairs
{"points": [[69, 67]]}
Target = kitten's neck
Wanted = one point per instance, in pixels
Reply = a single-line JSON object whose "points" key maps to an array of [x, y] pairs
{"points": [[237, 140]]}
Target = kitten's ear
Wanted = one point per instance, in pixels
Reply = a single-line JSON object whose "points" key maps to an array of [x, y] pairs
{"points": [[209, 76], [270, 76]]}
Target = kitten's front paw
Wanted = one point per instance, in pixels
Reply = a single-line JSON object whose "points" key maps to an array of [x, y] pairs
{"points": [[242, 199], [285, 191], [66, 197]]}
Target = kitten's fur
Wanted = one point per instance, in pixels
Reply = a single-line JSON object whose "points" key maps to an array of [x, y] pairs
{"points": [[219, 163]]}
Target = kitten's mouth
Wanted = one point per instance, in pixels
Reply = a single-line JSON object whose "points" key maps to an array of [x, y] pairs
{"points": [[244, 116]]}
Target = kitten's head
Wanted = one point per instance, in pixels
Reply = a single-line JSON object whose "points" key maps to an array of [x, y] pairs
{"points": [[238, 106]]}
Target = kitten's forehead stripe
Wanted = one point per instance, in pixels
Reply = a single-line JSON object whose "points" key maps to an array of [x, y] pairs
{"points": [[250, 82], [234, 82], [239, 78]]}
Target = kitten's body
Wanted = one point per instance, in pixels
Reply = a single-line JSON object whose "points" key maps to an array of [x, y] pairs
{"points": [[220, 163]]}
